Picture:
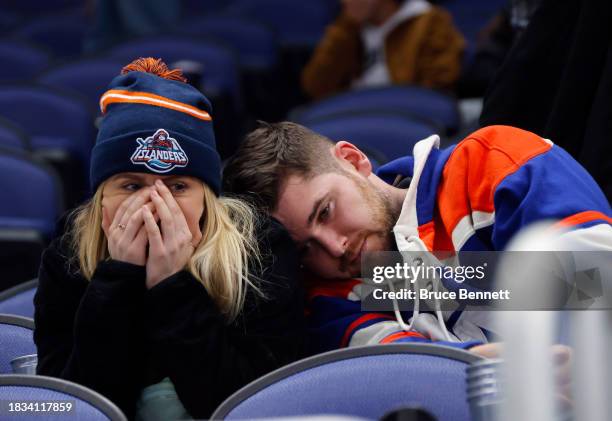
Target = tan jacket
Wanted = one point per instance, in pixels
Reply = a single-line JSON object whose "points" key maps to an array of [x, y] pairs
{"points": [[425, 50]]}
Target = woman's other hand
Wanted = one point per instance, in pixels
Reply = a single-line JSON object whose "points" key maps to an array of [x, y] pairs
{"points": [[171, 247]]}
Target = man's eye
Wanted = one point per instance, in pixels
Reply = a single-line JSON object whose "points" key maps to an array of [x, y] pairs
{"points": [[325, 212]]}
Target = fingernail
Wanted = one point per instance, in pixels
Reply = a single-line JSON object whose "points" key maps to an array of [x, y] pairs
{"points": [[159, 183]]}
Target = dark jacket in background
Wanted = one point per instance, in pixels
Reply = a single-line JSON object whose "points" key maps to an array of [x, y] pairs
{"points": [[557, 82], [113, 335]]}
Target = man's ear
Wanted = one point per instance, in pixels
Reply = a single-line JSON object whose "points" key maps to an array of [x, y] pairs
{"points": [[350, 154]]}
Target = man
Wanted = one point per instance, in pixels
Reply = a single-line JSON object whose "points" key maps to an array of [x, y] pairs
{"points": [[474, 196], [383, 42]]}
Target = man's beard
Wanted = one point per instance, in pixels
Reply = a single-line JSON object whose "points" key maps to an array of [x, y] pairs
{"points": [[384, 216]]}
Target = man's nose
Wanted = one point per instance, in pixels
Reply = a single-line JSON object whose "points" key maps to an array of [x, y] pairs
{"points": [[334, 243]]}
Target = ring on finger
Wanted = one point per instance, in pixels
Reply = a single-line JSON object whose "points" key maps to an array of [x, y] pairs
{"points": [[121, 226]]}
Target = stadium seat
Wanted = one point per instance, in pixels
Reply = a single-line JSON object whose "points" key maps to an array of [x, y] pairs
{"points": [[204, 7], [19, 300], [88, 78], [12, 136], [424, 103], [61, 130], [85, 404], [34, 7], [31, 194], [253, 41], [63, 35], [220, 66], [258, 53], [299, 26], [379, 379], [8, 20], [297, 23], [21, 61], [16, 337], [394, 135]]}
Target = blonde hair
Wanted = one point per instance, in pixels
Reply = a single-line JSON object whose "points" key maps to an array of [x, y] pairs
{"points": [[222, 261]]}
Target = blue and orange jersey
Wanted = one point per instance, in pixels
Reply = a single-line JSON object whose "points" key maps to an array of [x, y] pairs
{"points": [[476, 195]]}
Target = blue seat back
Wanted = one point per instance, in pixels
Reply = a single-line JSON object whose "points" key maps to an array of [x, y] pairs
{"points": [[12, 137], [62, 35], [31, 195], [34, 7], [363, 381], [86, 403], [297, 23], [53, 119], [16, 337], [392, 134], [254, 42], [425, 103], [19, 300], [219, 62], [8, 20], [21, 61], [88, 78], [204, 7]]}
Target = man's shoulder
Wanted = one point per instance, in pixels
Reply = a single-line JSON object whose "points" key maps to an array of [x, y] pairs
{"points": [[497, 150], [511, 141]]}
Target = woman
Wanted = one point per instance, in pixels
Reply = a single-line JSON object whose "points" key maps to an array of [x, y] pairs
{"points": [[157, 276]]}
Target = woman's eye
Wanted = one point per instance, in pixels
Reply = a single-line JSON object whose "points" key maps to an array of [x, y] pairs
{"points": [[131, 186], [178, 187]]}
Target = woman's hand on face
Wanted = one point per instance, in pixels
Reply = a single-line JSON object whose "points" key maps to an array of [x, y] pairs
{"points": [[126, 235], [171, 247]]}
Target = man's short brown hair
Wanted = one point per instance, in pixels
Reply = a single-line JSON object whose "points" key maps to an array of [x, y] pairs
{"points": [[272, 153]]}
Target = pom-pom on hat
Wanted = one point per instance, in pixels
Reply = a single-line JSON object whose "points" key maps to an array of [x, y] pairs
{"points": [[156, 123]]}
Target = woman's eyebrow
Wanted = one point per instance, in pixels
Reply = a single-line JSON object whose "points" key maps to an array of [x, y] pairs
{"points": [[174, 177], [130, 177]]}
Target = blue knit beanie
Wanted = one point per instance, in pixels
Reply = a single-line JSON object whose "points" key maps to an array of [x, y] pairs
{"points": [[155, 125]]}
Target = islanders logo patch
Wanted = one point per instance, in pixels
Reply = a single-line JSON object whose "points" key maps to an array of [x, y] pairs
{"points": [[159, 153]]}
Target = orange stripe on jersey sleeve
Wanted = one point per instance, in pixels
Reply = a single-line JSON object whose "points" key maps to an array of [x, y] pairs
{"points": [[581, 218], [474, 170], [398, 335]]}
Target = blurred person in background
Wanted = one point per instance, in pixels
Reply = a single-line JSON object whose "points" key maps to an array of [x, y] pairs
{"points": [[160, 284], [383, 42], [557, 80]]}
